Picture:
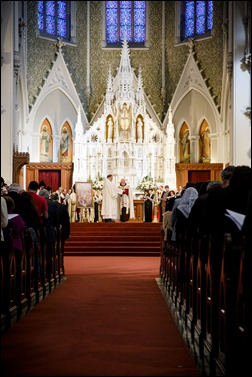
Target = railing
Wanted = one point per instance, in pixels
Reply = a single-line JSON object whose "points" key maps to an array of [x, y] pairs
{"points": [[28, 276], [207, 283]]}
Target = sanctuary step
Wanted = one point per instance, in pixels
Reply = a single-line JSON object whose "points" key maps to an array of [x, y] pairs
{"points": [[113, 239]]}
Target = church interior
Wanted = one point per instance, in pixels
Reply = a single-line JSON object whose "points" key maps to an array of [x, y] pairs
{"points": [[78, 106], [144, 93]]}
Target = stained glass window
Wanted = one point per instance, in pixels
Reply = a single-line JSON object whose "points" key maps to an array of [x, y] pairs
{"points": [[53, 19], [125, 19], [197, 18]]}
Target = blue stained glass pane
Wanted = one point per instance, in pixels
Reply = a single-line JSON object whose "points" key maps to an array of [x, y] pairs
{"points": [[40, 6], [139, 17], [125, 17], [111, 4], [139, 34], [50, 25], [139, 4], [200, 8], [125, 4], [62, 28], [199, 15], [41, 16], [210, 15], [111, 33], [189, 28], [41, 23], [125, 32], [111, 17], [200, 25], [62, 9], [50, 8], [124, 21], [189, 9]]}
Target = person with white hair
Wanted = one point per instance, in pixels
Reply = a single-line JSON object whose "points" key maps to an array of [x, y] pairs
{"points": [[110, 192]]}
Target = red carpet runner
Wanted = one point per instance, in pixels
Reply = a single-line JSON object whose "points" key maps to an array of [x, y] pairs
{"points": [[108, 318]]}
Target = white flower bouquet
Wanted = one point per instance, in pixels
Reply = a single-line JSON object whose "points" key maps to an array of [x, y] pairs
{"points": [[147, 184], [98, 184]]}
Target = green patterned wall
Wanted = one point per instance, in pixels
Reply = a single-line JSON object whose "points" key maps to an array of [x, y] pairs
{"points": [[41, 53]]}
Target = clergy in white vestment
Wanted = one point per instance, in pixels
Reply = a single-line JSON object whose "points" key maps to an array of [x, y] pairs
{"points": [[110, 192]]}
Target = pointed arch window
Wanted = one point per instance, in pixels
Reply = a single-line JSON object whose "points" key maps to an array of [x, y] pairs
{"points": [[125, 19], [196, 19], [55, 19]]}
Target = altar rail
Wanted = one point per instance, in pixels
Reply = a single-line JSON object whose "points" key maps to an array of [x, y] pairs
{"points": [[28, 276], [207, 284]]}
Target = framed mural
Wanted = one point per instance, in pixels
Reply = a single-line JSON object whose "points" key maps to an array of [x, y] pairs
{"points": [[84, 193]]}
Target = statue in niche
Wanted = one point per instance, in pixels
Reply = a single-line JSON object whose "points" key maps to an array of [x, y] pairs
{"points": [[205, 142], [185, 145], [139, 130], [110, 129]]}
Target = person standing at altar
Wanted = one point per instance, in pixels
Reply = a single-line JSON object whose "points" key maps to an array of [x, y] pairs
{"points": [[97, 200], [163, 200], [110, 209], [148, 205], [126, 203]]}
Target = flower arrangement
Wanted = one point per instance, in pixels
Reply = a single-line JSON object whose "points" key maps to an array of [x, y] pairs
{"points": [[98, 183], [147, 184]]}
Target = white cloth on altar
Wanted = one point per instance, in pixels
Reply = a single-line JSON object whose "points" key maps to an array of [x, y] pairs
{"points": [[110, 194]]}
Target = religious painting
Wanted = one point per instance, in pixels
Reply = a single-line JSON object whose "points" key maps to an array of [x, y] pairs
{"points": [[46, 142], [66, 143], [84, 193]]}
